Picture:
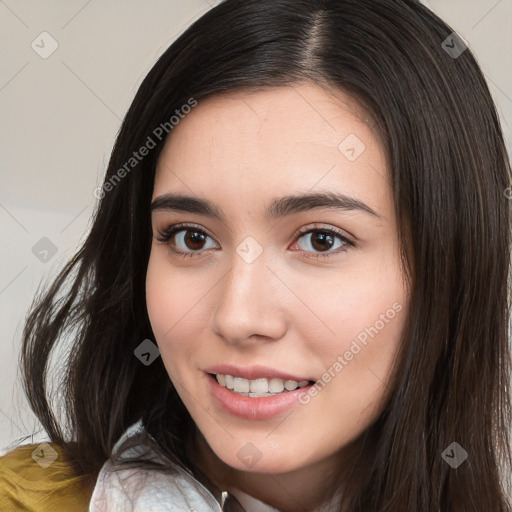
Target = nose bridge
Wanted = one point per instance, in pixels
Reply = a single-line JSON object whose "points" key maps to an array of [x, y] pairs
{"points": [[247, 303], [248, 267], [247, 279]]}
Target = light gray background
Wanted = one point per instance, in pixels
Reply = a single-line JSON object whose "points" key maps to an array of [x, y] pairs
{"points": [[60, 115]]}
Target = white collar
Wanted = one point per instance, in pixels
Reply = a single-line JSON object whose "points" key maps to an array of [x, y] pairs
{"points": [[144, 490]]}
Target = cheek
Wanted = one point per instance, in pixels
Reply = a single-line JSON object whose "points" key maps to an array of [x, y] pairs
{"points": [[168, 295], [365, 313], [158, 296], [364, 304], [166, 314]]}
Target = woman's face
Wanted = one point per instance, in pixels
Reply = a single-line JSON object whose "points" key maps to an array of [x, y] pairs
{"points": [[248, 292]]}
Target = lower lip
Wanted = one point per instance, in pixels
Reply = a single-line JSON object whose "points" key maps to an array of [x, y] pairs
{"points": [[253, 408]]}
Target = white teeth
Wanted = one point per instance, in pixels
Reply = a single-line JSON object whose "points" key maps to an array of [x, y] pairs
{"points": [[229, 381], [290, 385], [241, 385], [258, 387], [276, 385]]}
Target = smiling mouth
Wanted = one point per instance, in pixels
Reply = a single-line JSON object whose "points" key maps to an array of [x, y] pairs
{"points": [[258, 388]]}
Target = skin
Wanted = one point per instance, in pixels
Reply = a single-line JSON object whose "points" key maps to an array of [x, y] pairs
{"points": [[287, 309]]}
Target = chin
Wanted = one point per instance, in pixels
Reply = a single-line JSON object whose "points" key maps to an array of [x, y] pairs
{"points": [[259, 457]]}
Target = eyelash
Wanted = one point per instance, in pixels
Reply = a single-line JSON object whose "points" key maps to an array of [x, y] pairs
{"points": [[166, 235]]}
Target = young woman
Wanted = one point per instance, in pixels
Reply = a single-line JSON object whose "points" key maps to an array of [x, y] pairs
{"points": [[295, 292]]}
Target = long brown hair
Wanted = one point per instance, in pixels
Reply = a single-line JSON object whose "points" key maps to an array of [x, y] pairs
{"points": [[449, 173]]}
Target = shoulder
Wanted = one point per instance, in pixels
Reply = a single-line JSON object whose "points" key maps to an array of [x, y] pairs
{"points": [[141, 488], [37, 477], [146, 490]]}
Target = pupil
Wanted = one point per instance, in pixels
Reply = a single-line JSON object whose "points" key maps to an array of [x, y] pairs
{"points": [[323, 237], [194, 239]]}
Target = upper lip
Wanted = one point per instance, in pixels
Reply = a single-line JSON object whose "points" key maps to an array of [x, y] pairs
{"points": [[253, 372]]}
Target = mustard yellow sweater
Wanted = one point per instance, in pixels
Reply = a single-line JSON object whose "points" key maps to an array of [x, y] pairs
{"points": [[32, 481]]}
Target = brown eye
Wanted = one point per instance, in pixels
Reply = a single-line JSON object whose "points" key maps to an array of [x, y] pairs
{"points": [[194, 240], [184, 240], [188, 240], [321, 240]]}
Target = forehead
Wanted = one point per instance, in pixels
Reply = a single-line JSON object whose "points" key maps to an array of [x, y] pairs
{"points": [[247, 144]]}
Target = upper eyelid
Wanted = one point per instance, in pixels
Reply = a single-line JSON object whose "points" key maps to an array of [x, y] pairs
{"points": [[319, 227], [181, 226], [300, 232]]}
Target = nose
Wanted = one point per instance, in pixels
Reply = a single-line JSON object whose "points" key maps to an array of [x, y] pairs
{"points": [[251, 303]]}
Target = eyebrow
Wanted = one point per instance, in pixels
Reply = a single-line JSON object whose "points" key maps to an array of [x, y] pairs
{"points": [[278, 208]]}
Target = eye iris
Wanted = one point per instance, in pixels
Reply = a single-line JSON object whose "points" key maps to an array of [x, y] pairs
{"points": [[195, 238], [322, 237]]}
